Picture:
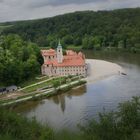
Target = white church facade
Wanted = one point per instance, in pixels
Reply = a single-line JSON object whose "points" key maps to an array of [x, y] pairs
{"points": [[57, 64]]}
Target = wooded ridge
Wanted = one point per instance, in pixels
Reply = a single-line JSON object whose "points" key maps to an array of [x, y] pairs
{"points": [[117, 28]]}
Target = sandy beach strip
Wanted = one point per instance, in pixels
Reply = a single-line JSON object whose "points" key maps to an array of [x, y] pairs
{"points": [[100, 69]]}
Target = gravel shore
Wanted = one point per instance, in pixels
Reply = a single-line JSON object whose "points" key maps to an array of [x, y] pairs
{"points": [[100, 69]]}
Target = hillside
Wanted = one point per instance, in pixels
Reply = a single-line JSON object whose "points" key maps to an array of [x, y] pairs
{"points": [[117, 28]]}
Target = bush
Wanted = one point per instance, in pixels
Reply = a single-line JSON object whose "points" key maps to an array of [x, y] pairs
{"points": [[17, 127], [123, 124]]}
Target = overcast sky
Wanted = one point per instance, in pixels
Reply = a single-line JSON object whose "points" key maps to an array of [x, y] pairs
{"points": [[11, 10]]}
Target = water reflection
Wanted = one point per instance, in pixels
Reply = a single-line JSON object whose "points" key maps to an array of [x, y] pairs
{"points": [[60, 100], [26, 106]]}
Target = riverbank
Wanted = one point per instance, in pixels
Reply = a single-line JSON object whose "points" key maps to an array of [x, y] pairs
{"points": [[46, 93], [100, 69], [133, 50]]}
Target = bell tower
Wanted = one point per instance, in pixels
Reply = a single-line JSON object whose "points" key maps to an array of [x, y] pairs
{"points": [[59, 53]]}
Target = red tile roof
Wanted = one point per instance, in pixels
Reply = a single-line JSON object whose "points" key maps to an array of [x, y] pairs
{"points": [[70, 59], [49, 52]]}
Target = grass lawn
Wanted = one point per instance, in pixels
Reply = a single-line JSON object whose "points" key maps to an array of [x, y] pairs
{"points": [[32, 81], [41, 85], [32, 92]]}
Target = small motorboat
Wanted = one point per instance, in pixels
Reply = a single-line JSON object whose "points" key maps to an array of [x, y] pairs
{"points": [[123, 73]]}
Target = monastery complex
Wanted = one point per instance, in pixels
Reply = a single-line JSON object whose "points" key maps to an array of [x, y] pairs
{"points": [[55, 63]]}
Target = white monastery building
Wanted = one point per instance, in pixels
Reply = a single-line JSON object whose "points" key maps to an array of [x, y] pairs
{"points": [[57, 64]]}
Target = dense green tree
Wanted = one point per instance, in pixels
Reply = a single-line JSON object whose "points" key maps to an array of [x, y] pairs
{"points": [[19, 60], [63, 32], [120, 44], [16, 127], [68, 40], [56, 83], [88, 42], [124, 124], [77, 41], [53, 44]]}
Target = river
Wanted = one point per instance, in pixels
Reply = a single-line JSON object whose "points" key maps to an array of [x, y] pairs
{"points": [[79, 105]]}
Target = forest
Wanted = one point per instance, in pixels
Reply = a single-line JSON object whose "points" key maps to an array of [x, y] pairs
{"points": [[19, 60], [118, 29]]}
